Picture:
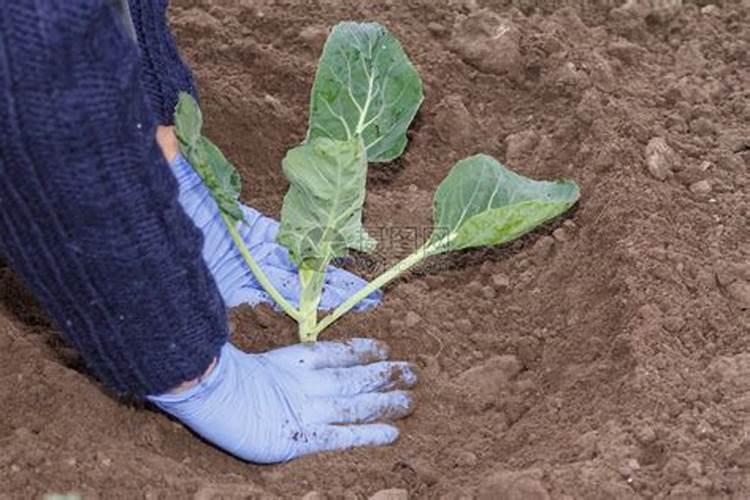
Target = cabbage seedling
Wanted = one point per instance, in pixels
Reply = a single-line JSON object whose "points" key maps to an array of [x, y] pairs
{"points": [[365, 96]]}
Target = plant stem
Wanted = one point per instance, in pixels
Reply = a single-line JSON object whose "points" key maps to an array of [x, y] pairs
{"points": [[258, 272], [311, 283], [415, 258]]}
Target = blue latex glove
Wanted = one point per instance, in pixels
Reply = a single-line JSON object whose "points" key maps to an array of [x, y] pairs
{"points": [[234, 279], [298, 400]]}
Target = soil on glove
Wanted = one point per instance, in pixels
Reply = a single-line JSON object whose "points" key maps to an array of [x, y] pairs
{"points": [[606, 355]]}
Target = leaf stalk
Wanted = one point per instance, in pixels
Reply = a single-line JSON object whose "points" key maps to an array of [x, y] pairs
{"points": [[257, 271], [428, 249]]}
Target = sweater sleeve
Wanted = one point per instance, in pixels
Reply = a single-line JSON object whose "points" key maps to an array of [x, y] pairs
{"points": [[89, 215], [163, 72]]}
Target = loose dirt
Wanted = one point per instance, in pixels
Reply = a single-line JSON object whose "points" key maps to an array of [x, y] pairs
{"points": [[604, 356]]}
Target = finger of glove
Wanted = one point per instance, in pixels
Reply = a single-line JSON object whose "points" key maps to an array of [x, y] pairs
{"points": [[198, 204], [360, 409], [320, 355], [337, 288], [232, 275], [322, 438], [340, 285], [256, 228], [248, 295], [259, 234], [381, 376], [196, 200], [245, 289], [279, 270], [184, 173]]}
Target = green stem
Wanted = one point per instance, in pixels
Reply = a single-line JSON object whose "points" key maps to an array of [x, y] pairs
{"points": [[258, 272], [379, 282], [311, 282]]}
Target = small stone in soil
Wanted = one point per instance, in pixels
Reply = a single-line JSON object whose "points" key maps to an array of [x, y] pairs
{"points": [[474, 287], [701, 187], [396, 325], [702, 126], [314, 36], [524, 485], [413, 319], [488, 42], [484, 383], [543, 248], [392, 494], [675, 470], [528, 351], [436, 29], [625, 471], [710, 10], [509, 365], [694, 470], [691, 175], [673, 324], [520, 144], [434, 281], [464, 326], [466, 459], [560, 234], [489, 293], [586, 445], [501, 281], [103, 459], [645, 434], [454, 123], [740, 291], [661, 159]]}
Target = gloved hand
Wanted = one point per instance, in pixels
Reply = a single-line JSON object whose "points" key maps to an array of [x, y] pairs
{"points": [[274, 407], [235, 280]]}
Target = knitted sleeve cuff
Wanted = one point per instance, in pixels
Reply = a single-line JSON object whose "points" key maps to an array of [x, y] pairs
{"points": [[163, 72], [89, 215]]}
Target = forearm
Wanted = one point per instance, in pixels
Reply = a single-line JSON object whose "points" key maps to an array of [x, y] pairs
{"points": [[88, 206], [163, 72]]}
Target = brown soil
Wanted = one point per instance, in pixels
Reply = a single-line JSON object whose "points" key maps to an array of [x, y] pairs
{"points": [[604, 357]]}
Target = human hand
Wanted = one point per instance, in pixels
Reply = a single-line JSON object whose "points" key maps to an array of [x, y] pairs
{"points": [[298, 400], [233, 277]]}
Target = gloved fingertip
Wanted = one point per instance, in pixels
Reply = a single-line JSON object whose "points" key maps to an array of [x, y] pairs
{"points": [[381, 434], [410, 402], [369, 350], [400, 405], [344, 437], [407, 375], [370, 302]]}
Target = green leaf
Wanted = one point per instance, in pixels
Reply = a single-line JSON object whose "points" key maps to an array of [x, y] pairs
{"points": [[482, 203], [322, 213], [365, 85], [219, 176], [188, 120]]}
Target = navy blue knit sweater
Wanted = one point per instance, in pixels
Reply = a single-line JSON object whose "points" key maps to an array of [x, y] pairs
{"points": [[89, 216]]}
